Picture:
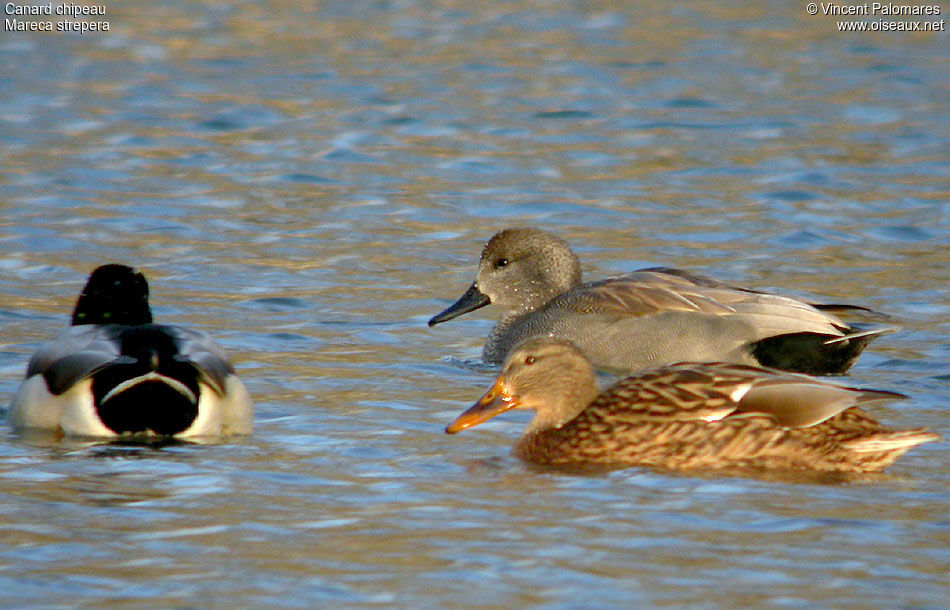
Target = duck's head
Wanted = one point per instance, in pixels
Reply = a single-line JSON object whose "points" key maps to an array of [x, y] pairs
{"points": [[114, 294], [549, 376], [521, 270]]}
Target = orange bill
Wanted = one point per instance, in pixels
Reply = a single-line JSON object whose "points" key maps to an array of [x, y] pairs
{"points": [[496, 400]]}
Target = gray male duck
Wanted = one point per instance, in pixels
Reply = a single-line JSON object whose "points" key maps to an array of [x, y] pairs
{"points": [[652, 316], [113, 373]]}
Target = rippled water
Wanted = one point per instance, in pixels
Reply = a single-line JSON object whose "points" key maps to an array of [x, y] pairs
{"points": [[312, 185]]}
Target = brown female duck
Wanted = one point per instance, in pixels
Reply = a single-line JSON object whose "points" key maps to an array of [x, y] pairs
{"points": [[649, 317], [687, 416]]}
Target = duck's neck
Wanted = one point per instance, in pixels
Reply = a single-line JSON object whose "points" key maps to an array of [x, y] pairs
{"points": [[505, 334], [544, 289], [540, 441], [568, 396], [517, 323]]}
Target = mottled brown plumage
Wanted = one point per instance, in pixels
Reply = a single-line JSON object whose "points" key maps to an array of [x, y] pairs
{"points": [[687, 416]]}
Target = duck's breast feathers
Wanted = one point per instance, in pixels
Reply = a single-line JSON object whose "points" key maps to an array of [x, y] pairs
{"points": [[80, 351]]}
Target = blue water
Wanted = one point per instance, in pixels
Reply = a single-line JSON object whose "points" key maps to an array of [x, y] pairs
{"points": [[312, 184]]}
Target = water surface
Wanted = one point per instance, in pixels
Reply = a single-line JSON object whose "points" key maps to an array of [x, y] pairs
{"points": [[312, 184]]}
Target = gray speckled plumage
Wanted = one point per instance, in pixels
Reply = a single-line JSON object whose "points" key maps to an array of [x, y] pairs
{"points": [[687, 416], [648, 317]]}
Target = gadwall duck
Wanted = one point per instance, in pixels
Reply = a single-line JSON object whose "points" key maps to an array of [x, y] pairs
{"points": [[649, 317], [687, 416], [114, 373]]}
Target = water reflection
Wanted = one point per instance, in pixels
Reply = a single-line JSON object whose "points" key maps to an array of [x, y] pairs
{"points": [[308, 183]]}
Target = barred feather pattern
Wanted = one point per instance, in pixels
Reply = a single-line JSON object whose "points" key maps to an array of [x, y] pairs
{"points": [[662, 419]]}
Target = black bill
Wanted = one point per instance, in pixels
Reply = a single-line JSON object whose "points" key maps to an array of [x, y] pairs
{"points": [[470, 301]]}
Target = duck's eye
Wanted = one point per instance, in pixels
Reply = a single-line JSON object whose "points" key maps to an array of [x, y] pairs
{"points": [[529, 360], [501, 262]]}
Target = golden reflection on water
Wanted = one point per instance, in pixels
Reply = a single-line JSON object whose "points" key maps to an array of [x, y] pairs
{"points": [[310, 183]]}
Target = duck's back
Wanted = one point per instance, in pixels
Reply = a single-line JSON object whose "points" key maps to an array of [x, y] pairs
{"points": [[98, 380], [658, 316]]}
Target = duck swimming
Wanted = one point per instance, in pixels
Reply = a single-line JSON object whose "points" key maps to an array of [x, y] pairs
{"points": [[649, 317], [115, 373], [687, 416]]}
